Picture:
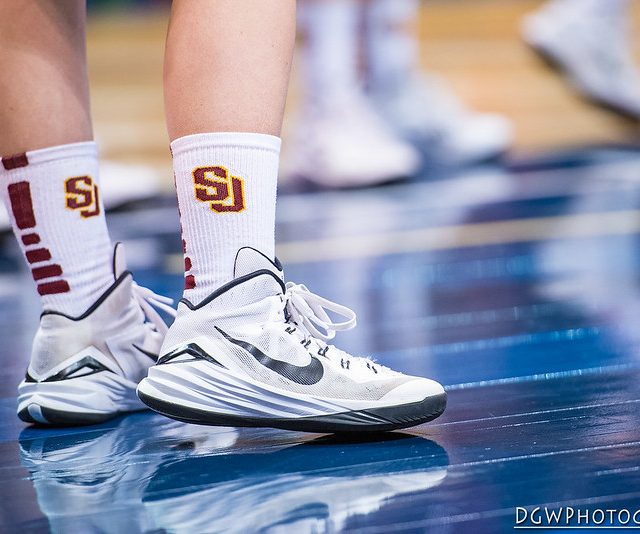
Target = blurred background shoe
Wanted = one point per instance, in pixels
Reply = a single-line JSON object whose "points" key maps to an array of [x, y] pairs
{"points": [[347, 145], [339, 139], [423, 110], [420, 107], [589, 42]]}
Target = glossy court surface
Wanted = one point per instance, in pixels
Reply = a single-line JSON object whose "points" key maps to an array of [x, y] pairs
{"points": [[516, 287]]}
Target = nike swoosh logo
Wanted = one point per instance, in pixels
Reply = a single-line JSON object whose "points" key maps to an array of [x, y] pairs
{"points": [[305, 375], [151, 355]]}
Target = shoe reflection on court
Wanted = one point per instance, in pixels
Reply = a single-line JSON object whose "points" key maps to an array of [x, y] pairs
{"points": [[202, 479]]}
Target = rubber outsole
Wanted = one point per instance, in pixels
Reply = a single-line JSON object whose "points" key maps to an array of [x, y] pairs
{"points": [[85, 400], [61, 418], [372, 420]]}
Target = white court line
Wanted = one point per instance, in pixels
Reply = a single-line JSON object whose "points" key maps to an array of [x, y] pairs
{"points": [[546, 376]]}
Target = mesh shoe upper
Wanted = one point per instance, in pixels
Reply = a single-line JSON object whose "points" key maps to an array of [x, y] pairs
{"points": [[258, 326]]}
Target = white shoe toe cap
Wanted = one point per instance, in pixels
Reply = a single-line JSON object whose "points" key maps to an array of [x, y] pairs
{"points": [[414, 390]]}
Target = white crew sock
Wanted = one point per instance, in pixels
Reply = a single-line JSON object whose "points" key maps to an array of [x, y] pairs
{"points": [[226, 184], [57, 216], [391, 45], [330, 50]]}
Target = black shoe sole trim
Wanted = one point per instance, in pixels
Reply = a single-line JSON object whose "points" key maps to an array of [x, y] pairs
{"points": [[371, 420], [62, 418]]}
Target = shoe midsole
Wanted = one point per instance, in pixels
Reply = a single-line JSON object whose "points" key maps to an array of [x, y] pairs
{"points": [[203, 386], [102, 392]]}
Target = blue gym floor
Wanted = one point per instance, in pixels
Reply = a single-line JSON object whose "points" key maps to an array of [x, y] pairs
{"points": [[517, 287]]}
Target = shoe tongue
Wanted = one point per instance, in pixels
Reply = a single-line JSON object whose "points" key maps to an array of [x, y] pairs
{"points": [[119, 260], [249, 260]]}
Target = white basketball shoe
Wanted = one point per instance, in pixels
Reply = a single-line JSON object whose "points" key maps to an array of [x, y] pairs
{"points": [[85, 369], [255, 353], [423, 110], [347, 145], [594, 52]]}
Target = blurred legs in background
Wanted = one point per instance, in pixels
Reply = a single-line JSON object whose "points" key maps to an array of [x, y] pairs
{"points": [[589, 41], [418, 106], [340, 140], [365, 101]]}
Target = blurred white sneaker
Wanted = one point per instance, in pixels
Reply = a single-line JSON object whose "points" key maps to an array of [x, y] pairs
{"points": [[594, 52], [347, 145], [424, 111]]}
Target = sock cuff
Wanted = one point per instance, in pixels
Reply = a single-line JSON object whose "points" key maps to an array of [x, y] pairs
{"points": [[225, 139], [46, 155]]}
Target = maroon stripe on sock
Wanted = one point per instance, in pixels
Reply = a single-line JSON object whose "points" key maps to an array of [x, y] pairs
{"points": [[48, 271], [52, 288], [16, 161], [189, 281], [37, 255], [22, 205], [31, 239], [187, 264]]}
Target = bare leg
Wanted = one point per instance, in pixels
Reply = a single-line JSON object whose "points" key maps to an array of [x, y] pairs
{"points": [[227, 68], [44, 96], [227, 65]]}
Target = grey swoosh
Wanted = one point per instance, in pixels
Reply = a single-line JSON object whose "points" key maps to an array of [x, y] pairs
{"points": [[306, 375]]}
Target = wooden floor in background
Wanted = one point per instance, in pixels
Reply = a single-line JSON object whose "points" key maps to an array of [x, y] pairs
{"points": [[475, 44]]}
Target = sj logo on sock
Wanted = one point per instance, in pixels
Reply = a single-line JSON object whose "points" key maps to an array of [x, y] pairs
{"points": [[223, 192], [82, 194]]}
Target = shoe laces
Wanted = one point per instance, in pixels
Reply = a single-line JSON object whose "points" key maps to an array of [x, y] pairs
{"points": [[148, 301], [309, 311]]}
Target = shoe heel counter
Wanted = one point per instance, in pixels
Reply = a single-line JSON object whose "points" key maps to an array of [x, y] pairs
{"points": [[56, 339]]}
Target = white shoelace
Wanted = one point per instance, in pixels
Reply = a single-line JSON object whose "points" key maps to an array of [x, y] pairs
{"points": [[310, 311], [147, 300]]}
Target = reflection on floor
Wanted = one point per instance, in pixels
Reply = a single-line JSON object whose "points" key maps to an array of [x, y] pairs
{"points": [[517, 288]]}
